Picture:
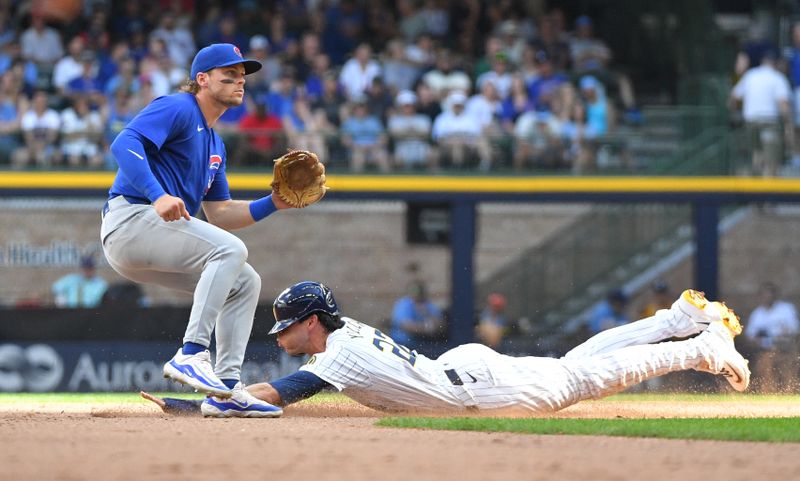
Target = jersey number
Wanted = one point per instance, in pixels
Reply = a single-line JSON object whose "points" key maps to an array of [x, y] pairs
{"points": [[386, 344]]}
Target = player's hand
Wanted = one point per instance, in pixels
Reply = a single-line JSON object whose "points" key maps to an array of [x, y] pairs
{"points": [[280, 203], [159, 402], [171, 208]]}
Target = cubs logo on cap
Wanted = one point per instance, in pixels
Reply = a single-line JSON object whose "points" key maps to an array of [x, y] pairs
{"points": [[221, 55]]}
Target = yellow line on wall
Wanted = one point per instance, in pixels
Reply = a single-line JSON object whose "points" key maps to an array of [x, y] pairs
{"points": [[351, 183]]}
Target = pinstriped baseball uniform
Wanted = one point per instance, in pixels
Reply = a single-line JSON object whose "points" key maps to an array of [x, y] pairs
{"points": [[369, 367]]}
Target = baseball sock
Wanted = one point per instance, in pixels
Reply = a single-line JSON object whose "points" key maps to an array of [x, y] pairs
{"points": [[231, 383], [190, 348]]}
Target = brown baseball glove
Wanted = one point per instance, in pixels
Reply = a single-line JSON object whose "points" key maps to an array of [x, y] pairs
{"points": [[299, 178]]}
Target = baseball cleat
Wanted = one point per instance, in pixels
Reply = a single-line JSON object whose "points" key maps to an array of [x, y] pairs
{"points": [[722, 358], [241, 404], [697, 313], [195, 370], [689, 311], [726, 315]]}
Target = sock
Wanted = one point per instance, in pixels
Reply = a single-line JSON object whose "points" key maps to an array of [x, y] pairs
{"points": [[193, 348], [231, 383]]}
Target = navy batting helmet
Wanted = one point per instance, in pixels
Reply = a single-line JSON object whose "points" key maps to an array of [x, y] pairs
{"points": [[300, 301]]}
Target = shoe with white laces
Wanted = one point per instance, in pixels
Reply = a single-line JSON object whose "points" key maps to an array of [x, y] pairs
{"points": [[195, 370], [241, 404], [696, 313], [722, 357]]}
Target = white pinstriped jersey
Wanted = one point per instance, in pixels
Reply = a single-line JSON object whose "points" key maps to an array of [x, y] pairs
{"points": [[370, 368]]}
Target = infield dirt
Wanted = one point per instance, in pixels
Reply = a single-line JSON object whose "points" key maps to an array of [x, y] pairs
{"points": [[327, 441]]}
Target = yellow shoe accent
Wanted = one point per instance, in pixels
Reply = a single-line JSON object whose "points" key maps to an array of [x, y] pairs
{"points": [[729, 318], [695, 298]]}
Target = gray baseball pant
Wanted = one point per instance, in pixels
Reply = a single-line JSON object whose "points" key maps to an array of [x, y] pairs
{"points": [[190, 256]]}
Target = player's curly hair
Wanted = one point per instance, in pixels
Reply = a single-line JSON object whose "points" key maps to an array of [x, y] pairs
{"points": [[329, 322], [190, 86]]}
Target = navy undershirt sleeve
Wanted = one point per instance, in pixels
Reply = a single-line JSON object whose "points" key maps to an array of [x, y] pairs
{"points": [[128, 150], [182, 406], [298, 386]]}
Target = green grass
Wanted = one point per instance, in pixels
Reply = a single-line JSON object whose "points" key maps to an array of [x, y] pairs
{"points": [[777, 430]]}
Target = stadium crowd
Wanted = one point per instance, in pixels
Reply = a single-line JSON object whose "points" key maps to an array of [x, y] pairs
{"points": [[399, 85]]}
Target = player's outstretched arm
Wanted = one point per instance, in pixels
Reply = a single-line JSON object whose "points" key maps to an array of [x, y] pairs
{"points": [[238, 214]]}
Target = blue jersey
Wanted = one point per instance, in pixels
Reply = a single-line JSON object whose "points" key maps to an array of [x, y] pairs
{"points": [[186, 157]]}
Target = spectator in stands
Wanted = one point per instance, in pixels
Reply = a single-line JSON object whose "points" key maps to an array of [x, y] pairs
{"points": [[515, 104], [258, 83], [69, 67], [513, 40], [537, 141], [589, 54], [500, 75], [379, 99], [764, 93], [415, 318], [12, 104], [125, 79], [262, 137], [774, 328], [344, 25], [24, 70], [86, 85], [596, 123], [41, 44], [358, 72], [303, 63], [399, 72], [81, 131], [411, 20], [427, 101], [320, 67], [178, 39], [492, 46], [660, 298], [363, 134], [543, 90], [457, 133], [331, 103], [486, 107], [40, 126], [547, 41], [81, 289], [609, 313], [445, 78], [280, 99], [305, 130], [492, 321], [410, 132], [422, 53]]}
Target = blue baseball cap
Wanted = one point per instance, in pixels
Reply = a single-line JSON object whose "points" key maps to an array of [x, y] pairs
{"points": [[221, 55]]}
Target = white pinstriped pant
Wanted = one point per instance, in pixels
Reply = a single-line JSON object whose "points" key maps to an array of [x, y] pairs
{"points": [[608, 363]]}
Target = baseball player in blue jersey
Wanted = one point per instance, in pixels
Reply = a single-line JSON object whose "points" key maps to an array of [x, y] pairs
{"points": [[172, 163], [372, 369]]}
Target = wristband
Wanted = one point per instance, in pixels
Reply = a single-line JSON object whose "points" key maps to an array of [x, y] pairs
{"points": [[262, 207]]}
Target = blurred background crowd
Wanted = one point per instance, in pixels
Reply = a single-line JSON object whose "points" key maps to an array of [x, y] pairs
{"points": [[386, 86]]}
